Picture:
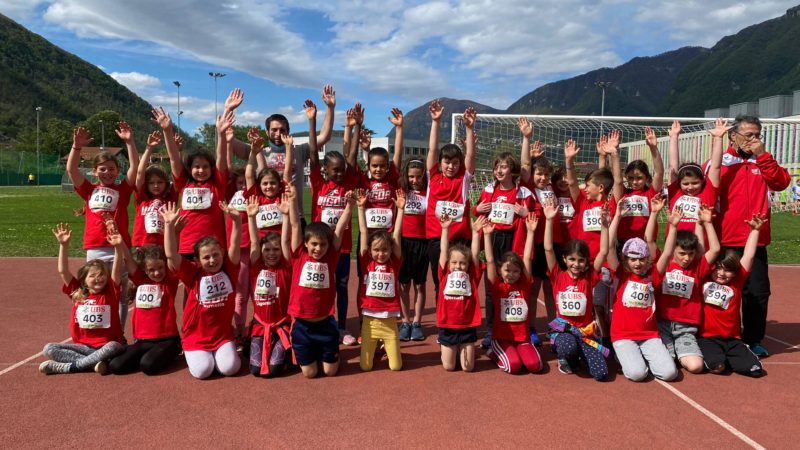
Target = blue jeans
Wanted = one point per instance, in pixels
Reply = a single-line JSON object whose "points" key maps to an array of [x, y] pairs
{"points": [[342, 277]]}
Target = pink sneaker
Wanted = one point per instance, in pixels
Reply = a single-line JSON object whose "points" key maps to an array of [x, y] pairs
{"points": [[348, 339]]}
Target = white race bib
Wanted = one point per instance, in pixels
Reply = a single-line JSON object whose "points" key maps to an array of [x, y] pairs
{"points": [[717, 294], [93, 316], [103, 199], [591, 219], [638, 206], [331, 216], [269, 216], [148, 296], [502, 213], [315, 275], [458, 284], [214, 289], [513, 309], [416, 204], [572, 304], [566, 209], [637, 295], [380, 284], [542, 195], [452, 209], [379, 218], [196, 198], [238, 202], [266, 288], [153, 224], [677, 284], [690, 207]]}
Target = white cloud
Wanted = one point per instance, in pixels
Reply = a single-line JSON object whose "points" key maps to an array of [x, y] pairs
{"points": [[135, 81]]}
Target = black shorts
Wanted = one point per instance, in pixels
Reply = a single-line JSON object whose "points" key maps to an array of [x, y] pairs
{"points": [[315, 341], [539, 266], [731, 352], [453, 337], [415, 261]]}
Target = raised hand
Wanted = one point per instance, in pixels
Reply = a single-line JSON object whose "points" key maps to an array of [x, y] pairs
{"points": [[224, 122], [311, 109], [358, 113], [153, 139], [400, 201], [525, 127], [706, 214], [570, 149], [532, 221], [396, 118], [613, 142], [361, 198], [179, 142], [757, 221], [234, 99], [169, 212], [63, 233], [720, 128], [229, 134], [252, 206], [605, 216], [657, 203], [549, 209], [469, 117], [285, 204], [650, 137], [675, 216], [180, 223], [350, 197], [675, 130], [289, 192], [445, 221], [256, 139], [161, 118], [230, 211], [480, 223], [536, 149], [329, 96], [350, 118], [365, 140], [114, 237], [436, 110], [81, 137], [520, 210], [124, 132], [287, 139], [483, 207]]}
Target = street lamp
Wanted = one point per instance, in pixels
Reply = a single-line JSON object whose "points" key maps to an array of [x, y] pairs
{"points": [[38, 174], [602, 85], [178, 85], [215, 75], [102, 135]]}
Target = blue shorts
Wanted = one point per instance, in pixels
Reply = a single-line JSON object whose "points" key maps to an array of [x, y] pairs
{"points": [[315, 341]]}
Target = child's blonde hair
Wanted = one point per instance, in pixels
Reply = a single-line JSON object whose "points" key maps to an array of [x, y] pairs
{"points": [[81, 294]]}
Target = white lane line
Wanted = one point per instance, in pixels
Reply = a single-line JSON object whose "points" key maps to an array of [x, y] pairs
{"points": [[743, 437], [787, 344], [27, 360]]}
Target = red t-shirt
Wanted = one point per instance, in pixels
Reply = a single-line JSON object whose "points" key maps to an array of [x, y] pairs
{"points": [[414, 214], [690, 204], [379, 291], [573, 296], [210, 302], [451, 196], [380, 198], [680, 298], [200, 205], [458, 306], [633, 224], [512, 305], [502, 214], [154, 308], [101, 200], [634, 307], [313, 284], [148, 227], [543, 195], [95, 321], [586, 224], [722, 306], [270, 287], [328, 202]]}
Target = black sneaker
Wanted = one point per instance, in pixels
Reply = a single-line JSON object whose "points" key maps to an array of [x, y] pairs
{"points": [[405, 331], [416, 332], [564, 367], [487, 340]]}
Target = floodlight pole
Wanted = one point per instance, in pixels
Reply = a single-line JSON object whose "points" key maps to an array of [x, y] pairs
{"points": [[602, 85], [38, 164], [102, 135], [215, 75], [178, 85]]}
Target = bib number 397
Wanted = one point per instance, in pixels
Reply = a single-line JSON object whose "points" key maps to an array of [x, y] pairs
{"points": [[380, 284]]}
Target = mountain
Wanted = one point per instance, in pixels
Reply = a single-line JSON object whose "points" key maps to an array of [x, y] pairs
{"points": [[759, 61], [417, 122], [35, 72], [638, 88]]}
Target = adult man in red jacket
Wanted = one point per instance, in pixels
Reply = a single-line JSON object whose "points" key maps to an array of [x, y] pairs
{"points": [[748, 174]]}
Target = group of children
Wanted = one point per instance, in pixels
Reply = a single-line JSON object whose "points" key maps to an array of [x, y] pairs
{"points": [[238, 235]]}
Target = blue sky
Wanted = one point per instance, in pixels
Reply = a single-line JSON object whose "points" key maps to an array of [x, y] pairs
{"points": [[383, 54]]}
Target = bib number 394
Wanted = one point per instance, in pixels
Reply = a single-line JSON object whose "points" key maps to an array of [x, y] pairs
{"points": [[717, 294], [93, 316]]}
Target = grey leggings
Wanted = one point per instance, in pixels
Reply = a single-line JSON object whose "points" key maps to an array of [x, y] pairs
{"points": [[82, 357]]}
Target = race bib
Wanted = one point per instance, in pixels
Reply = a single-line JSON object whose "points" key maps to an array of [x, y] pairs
{"points": [[572, 304], [266, 288], [93, 316], [502, 213], [148, 296], [566, 209], [513, 309], [269, 216], [379, 217], [330, 216], [315, 275], [718, 295], [153, 224], [638, 206], [214, 289], [542, 195], [677, 284], [196, 198], [591, 219], [416, 204], [458, 284], [103, 199], [690, 207], [380, 284], [637, 295], [238, 202], [452, 209]]}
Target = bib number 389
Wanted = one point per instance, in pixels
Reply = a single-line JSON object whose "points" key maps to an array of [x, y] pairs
{"points": [[315, 275]]}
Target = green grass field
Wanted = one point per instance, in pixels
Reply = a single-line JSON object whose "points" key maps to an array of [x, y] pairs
{"points": [[29, 213]]}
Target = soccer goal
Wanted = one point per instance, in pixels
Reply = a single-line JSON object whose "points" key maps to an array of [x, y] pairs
{"points": [[499, 132]]}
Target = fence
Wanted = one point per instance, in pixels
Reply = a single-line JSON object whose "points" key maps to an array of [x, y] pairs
{"points": [[16, 166]]}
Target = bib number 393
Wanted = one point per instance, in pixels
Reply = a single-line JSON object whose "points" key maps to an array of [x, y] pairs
{"points": [[677, 284]]}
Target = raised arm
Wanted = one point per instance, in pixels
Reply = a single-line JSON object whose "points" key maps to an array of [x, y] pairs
{"points": [[63, 234], [674, 153], [491, 264], [469, 124], [751, 245], [531, 222], [286, 204], [550, 213], [235, 245], [526, 129], [294, 218], [365, 142], [436, 111], [224, 122], [612, 259], [570, 152], [657, 203], [329, 98], [603, 252], [115, 239], [444, 242], [706, 218], [341, 225], [256, 145], [169, 212], [658, 164], [715, 165], [347, 139], [163, 120], [669, 245], [475, 250], [363, 235], [397, 120], [125, 133], [252, 229], [152, 142], [80, 139], [311, 114], [613, 151], [397, 234], [602, 161]]}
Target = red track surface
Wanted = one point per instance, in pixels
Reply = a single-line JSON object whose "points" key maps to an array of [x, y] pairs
{"points": [[421, 406]]}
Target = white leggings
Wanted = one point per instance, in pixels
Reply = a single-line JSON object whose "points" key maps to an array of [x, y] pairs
{"points": [[202, 363]]}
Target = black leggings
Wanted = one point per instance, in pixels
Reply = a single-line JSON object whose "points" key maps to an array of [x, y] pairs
{"points": [[152, 356]]}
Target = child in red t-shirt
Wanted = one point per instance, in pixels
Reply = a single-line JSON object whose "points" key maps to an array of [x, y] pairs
{"points": [[153, 189], [510, 283], [95, 325], [574, 332], [414, 270], [721, 330], [458, 309], [270, 282], [378, 294], [208, 341], [680, 268]]}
